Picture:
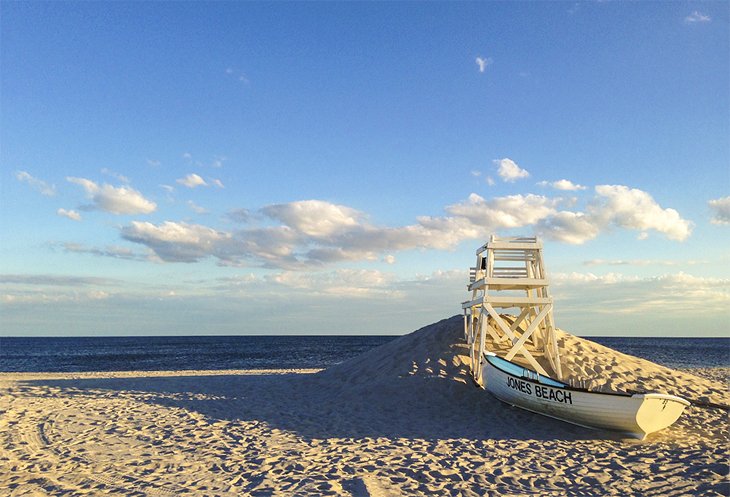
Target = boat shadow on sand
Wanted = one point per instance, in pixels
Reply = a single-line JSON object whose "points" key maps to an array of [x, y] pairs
{"points": [[331, 405]]}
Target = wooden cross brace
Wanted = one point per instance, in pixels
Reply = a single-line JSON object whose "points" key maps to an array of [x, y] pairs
{"points": [[519, 344]]}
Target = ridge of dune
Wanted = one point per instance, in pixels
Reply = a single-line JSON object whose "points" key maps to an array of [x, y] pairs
{"points": [[611, 370], [439, 350], [436, 350]]}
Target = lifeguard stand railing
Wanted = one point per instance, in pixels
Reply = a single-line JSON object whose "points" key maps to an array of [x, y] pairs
{"points": [[510, 273]]}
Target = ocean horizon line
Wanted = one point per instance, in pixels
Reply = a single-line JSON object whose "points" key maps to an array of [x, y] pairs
{"points": [[325, 335]]}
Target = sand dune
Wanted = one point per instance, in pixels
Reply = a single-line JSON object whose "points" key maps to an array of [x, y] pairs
{"points": [[402, 419]]}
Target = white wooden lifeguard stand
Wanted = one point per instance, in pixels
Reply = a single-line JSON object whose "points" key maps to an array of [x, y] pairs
{"points": [[510, 273]]}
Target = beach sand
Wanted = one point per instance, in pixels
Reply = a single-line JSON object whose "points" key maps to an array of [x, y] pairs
{"points": [[402, 419]]}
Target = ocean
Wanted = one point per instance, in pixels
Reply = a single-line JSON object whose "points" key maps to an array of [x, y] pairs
{"points": [[76, 354]]}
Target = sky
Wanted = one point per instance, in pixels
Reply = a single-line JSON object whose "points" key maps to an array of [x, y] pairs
{"points": [[173, 168]]}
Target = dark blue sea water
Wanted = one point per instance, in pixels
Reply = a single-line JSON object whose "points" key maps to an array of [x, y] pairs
{"points": [[264, 352], [673, 352], [180, 353]]}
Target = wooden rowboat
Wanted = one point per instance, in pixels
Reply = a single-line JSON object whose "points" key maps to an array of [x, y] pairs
{"points": [[637, 414]]}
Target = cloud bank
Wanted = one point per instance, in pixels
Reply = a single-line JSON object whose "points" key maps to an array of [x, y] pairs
{"points": [[617, 294], [310, 234]]}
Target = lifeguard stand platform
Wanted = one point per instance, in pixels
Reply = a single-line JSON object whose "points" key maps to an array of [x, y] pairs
{"points": [[510, 274]]}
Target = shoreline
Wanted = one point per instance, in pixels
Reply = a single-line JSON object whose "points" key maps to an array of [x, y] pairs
{"points": [[42, 375]]}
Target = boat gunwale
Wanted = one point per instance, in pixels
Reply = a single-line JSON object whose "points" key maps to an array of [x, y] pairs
{"points": [[665, 396], [566, 387]]}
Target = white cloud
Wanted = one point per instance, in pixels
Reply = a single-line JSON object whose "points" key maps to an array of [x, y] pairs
{"points": [[169, 190], [631, 208], [239, 215], [720, 208], [196, 208], [315, 218], [615, 293], [35, 183], [615, 206], [20, 289], [487, 179], [272, 246], [575, 228], [321, 232], [116, 200], [192, 180], [696, 17], [430, 232], [115, 175], [113, 251], [513, 211], [639, 262], [46, 297], [54, 280], [179, 242], [483, 62], [344, 283], [560, 279], [562, 184], [389, 259], [315, 233], [71, 214], [509, 171]]}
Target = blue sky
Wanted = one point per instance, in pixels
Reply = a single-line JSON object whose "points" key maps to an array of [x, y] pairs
{"points": [[267, 168]]}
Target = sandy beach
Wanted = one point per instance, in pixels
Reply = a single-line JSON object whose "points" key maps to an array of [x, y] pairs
{"points": [[402, 419]]}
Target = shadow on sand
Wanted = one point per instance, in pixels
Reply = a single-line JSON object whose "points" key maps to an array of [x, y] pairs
{"points": [[316, 406]]}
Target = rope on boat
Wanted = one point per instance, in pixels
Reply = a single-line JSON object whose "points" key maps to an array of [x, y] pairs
{"points": [[709, 405], [694, 403]]}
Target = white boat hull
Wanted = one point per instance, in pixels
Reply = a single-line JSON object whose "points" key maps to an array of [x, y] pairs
{"points": [[637, 415]]}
